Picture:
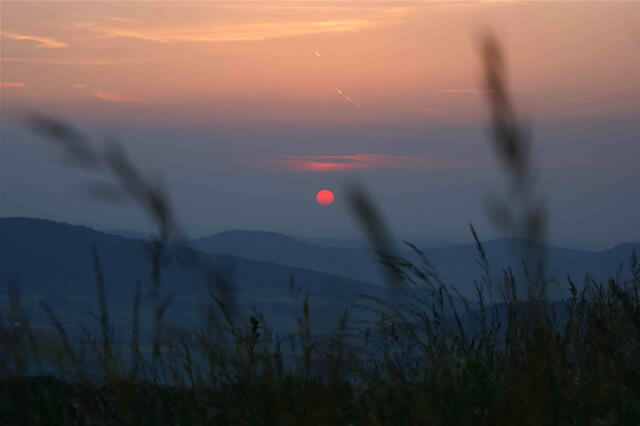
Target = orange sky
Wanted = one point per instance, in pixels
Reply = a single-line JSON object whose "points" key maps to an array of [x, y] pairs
{"points": [[318, 62], [248, 109]]}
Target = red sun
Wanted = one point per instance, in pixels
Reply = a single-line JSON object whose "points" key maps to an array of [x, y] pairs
{"points": [[325, 197]]}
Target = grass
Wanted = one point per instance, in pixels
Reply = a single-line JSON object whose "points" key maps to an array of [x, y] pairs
{"points": [[582, 369], [512, 360]]}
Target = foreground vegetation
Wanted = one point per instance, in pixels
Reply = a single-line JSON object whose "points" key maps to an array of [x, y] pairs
{"points": [[521, 364], [518, 359]]}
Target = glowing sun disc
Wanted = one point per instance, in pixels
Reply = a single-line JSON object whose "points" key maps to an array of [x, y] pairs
{"points": [[325, 197]]}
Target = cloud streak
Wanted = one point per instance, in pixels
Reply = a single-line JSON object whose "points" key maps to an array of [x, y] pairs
{"points": [[13, 84], [229, 32], [74, 61], [468, 91], [41, 42], [332, 163], [106, 96], [586, 97]]}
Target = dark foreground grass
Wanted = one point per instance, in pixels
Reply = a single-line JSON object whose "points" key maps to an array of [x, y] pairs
{"points": [[516, 360], [523, 369]]}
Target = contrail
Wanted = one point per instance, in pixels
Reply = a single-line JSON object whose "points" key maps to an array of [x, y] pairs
{"points": [[348, 98], [585, 97]]}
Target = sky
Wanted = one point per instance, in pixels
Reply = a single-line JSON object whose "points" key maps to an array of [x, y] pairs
{"points": [[245, 110]]}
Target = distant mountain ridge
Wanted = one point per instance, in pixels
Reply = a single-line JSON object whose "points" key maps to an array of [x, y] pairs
{"points": [[281, 249], [129, 234], [359, 244], [457, 264], [52, 263]]}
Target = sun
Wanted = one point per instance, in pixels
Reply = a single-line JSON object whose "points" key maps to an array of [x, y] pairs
{"points": [[325, 197]]}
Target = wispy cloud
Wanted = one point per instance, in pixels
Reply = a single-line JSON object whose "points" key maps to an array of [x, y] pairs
{"points": [[478, 91], [348, 98], [466, 91], [586, 97], [331, 163], [120, 19], [318, 54], [79, 86], [229, 32], [75, 61], [106, 96], [42, 42], [13, 84]]}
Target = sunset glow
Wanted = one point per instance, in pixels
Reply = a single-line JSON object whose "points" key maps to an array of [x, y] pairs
{"points": [[320, 62], [233, 105]]}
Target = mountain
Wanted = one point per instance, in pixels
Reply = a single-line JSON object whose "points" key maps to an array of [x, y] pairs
{"points": [[255, 244], [52, 262], [358, 264], [457, 265], [130, 234], [603, 264], [349, 243]]}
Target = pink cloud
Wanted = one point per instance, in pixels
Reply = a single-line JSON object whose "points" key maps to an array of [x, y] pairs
{"points": [[14, 84], [470, 91], [42, 42], [478, 91], [75, 61], [106, 96]]}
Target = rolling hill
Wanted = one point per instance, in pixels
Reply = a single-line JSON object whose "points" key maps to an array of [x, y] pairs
{"points": [[457, 264], [52, 262]]}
